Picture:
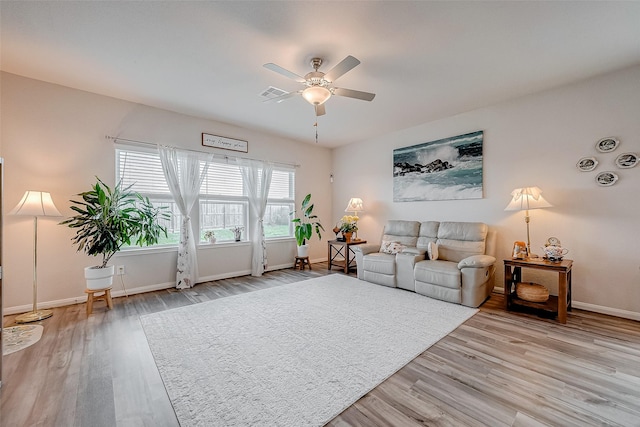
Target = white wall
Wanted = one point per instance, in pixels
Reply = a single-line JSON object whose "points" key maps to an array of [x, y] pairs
{"points": [[53, 139], [534, 140]]}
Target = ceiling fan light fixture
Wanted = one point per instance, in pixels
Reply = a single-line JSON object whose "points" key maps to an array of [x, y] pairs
{"points": [[316, 95]]}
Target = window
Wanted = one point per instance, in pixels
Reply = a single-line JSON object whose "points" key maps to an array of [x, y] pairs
{"points": [[222, 203], [281, 202], [143, 170]]}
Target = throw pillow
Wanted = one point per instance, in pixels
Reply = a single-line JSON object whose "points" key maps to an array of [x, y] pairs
{"points": [[391, 247], [432, 250]]}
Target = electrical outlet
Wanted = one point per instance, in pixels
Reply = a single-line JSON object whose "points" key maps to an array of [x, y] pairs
{"points": [[120, 270]]}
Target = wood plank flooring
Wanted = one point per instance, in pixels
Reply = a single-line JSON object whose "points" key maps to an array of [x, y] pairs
{"points": [[497, 369]]}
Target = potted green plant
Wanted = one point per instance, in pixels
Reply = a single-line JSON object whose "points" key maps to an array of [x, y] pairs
{"points": [[305, 226], [106, 219], [348, 226], [210, 235]]}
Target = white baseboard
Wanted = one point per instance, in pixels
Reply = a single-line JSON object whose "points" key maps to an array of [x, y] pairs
{"points": [[625, 314], [137, 290], [82, 299]]}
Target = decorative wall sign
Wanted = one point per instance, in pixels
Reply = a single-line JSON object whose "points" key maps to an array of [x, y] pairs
{"points": [[225, 143], [627, 160], [446, 169], [606, 145], [606, 179], [587, 164]]}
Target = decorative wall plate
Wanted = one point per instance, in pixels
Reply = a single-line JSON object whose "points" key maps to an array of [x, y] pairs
{"points": [[606, 145], [606, 179], [587, 164], [627, 160]]}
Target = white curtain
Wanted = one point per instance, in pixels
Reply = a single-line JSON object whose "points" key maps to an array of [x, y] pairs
{"points": [[184, 177], [257, 180]]}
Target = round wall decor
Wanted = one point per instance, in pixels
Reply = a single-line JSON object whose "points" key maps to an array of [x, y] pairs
{"points": [[606, 145], [606, 179], [587, 164], [627, 160]]}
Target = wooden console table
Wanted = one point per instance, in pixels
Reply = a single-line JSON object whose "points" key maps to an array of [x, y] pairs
{"points": [[336, 248], [555, 305]]}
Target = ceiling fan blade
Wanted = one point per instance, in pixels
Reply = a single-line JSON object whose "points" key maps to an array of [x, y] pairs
{"points": [[341, 68], [320, 111], [278, 99], [278, 69], [350, 93]]}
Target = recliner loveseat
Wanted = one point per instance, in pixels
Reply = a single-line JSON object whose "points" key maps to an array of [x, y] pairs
{"points": [[442, 260]]}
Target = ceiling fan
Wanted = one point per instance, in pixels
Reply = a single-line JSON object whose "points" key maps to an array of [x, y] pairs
{"points": [[319, 85]]}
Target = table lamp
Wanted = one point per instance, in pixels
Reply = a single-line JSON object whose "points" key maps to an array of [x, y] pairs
{"points": [[35, 204], [524, 199], [355, 206]]}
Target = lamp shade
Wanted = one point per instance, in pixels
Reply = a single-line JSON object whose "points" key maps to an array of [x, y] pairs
{"points": [[316, 95], [36, 203], [355, 205], [527, 198]]}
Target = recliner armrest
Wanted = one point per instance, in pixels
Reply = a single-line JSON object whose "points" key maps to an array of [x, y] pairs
{"points": [[477, 261], [365, 249], [413, 251]]}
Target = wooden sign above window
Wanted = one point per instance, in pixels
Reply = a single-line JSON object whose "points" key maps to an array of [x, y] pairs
{"points": [[216, 141]]}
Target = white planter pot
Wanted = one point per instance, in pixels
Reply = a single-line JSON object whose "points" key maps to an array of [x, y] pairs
{"points": [[303, 250], [99, 278]]}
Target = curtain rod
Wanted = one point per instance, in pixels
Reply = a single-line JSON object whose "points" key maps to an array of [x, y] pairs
{"points": [[227, 157]]}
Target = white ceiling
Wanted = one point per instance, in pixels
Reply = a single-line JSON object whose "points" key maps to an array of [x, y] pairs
{"points": [[424, 60]]}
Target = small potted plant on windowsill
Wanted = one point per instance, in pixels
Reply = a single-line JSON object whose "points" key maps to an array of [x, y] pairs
{"points": [[237, 232], [305, 226], [106, 219], [210, 235]]}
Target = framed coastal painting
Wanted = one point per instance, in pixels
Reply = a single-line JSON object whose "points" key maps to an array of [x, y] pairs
{"points": [[446, 169]]}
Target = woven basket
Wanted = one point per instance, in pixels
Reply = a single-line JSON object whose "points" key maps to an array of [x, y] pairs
{"points": [[532, 292]]}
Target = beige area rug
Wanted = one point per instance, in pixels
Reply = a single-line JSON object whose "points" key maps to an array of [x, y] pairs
{"points": [[16, 338], [293, 355]]}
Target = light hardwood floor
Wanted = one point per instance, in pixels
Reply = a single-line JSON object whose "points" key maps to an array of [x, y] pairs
{"points": [[497, 369]]}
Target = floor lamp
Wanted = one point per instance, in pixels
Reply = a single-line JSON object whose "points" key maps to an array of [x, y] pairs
{"points": [[524, 199], [35, 204]]}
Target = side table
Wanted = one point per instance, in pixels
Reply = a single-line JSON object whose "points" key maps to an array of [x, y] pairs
{"points": [[339, 248], [555, 305]]}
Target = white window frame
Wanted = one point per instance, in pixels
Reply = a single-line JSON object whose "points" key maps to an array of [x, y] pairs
{"points": [[196, 219]]}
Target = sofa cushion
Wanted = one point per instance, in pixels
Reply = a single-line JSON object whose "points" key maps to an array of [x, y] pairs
{"points": [[428, 233], [404, 232], [441, 273], [380, 263], [459, 240]]}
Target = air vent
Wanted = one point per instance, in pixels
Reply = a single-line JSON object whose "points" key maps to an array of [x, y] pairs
{"points": [[273, 92]]}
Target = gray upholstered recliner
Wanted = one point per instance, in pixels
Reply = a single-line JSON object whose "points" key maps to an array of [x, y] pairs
{"points": [[462, 272], [380, 267]]}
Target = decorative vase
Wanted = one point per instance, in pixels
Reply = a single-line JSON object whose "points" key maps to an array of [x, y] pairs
{"points": [[212, 239], [347, 235], [238, 235], [99, 278], [303, 250]]}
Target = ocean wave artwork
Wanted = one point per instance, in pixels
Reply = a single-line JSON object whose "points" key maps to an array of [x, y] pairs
{"points": [[446, 169]]}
